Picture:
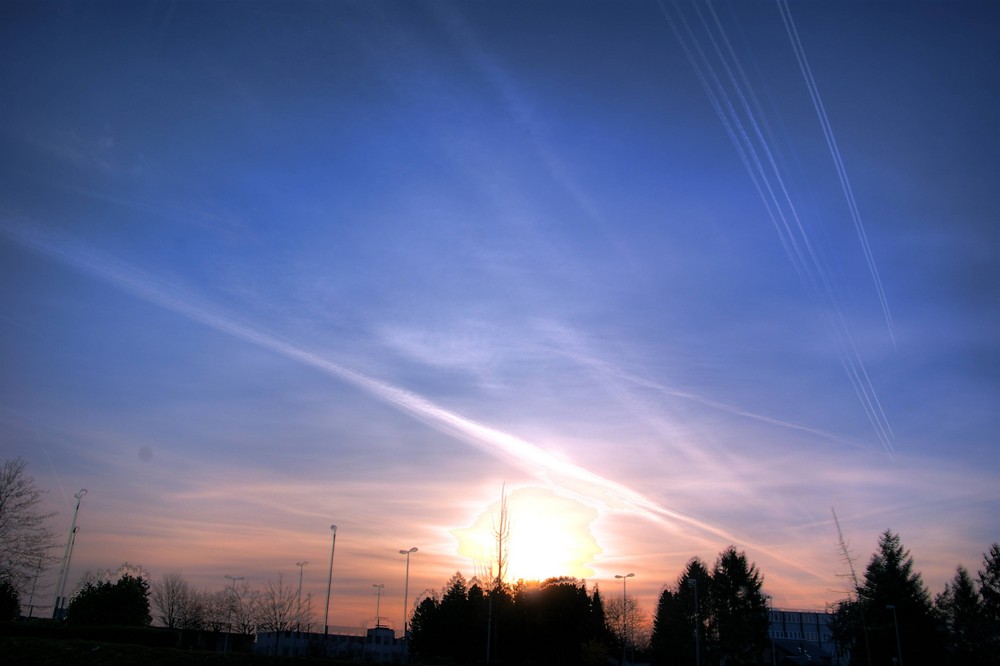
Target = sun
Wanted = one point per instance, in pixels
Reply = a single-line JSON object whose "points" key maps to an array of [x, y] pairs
{"points": [[550, 536]]}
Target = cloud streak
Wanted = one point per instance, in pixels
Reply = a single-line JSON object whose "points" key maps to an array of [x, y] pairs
{"points": [[523, 454]]}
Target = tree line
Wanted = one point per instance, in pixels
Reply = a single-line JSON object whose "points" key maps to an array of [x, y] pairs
{"points": [[889, 614], [560, 621], [126, 597], [717, 616], [712, 617], [557, 621]]}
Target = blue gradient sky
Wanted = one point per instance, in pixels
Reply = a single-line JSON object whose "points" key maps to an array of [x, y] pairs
{"points": [[268, 266]]}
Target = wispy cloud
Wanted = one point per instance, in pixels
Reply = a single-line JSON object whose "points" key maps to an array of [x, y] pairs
{"points": [[555, 469]]}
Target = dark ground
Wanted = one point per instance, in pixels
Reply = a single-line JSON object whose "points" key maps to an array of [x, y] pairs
{"points": [[24, 651]]}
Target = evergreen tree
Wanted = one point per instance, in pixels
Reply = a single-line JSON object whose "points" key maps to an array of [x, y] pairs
{"points": [[893, 600], [456, 619], [961, 611], [426, 630], [598, 621], [596, 649], [124, 602], [739, 621], [679, 610], [669, 644], [989, 591]]}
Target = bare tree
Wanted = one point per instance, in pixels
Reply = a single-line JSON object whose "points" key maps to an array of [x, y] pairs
{"points": [[25, 540], [628, 622], [244, 606], [498, 568], [111, 575], [179, 605], [501, 533], [276, 606], [305, 620], [217, 608]]}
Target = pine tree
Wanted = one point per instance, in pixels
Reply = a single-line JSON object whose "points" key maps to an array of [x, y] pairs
{"points": [[739, 619], [961, 611], [893, 602], [989, 591]]}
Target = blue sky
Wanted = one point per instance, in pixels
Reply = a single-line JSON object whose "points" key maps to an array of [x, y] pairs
{"points": [[678, 275]]}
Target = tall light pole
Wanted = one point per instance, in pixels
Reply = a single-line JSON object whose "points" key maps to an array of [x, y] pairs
{"points": [[378, 602], [34, 584], [329, 581], [298, 602], [406, 585], [895, 622], [693, 584], [225, 647], [57, 611], [624, 580]]}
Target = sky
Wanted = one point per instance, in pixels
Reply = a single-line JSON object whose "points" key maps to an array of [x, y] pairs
{"points": [[669, 276]]}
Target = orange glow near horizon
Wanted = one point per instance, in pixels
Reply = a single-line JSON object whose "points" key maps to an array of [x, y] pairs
{"points": [[550, 535]]}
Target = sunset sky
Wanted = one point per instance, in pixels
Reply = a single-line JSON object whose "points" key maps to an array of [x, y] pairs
{"points": [[672, 276]]}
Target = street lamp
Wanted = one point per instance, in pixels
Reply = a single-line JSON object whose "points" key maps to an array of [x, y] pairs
{"points": [[225, 647], [895, 622], [406, 585], [57, 611], [298, 603], [624, 580], [693, 584], [329, 581], [378, 602]]}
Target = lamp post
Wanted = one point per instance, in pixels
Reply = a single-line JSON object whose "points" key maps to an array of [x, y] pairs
{"points": [[225, 647], [378, 602], [298, 602], [57, 611], [406, 585], [329, 581], [693, 584], [895, 622], [624, 580]]}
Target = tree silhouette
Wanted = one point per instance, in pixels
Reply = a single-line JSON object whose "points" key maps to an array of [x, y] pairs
{"points": [[961, 610], [177, 603], [679, 611], [10, 602], [124, 602], [25, 541], [427, 632], [989, 590], [893, 601], [554, 622], [739, 612]]}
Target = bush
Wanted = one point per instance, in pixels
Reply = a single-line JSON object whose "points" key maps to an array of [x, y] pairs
{"points": [[124, 603], [10, 601]]}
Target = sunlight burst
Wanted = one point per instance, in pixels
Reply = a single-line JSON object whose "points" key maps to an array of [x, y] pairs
{"points": [[550, 535]]}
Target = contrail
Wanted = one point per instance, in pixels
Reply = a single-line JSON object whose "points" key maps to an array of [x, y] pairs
{"points": [[831, 142], [570, 346], [510, 448], [520, 110], [744, 132]]}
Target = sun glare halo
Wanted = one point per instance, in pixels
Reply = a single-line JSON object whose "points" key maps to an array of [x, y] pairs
{"points": [[550, 535]]}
